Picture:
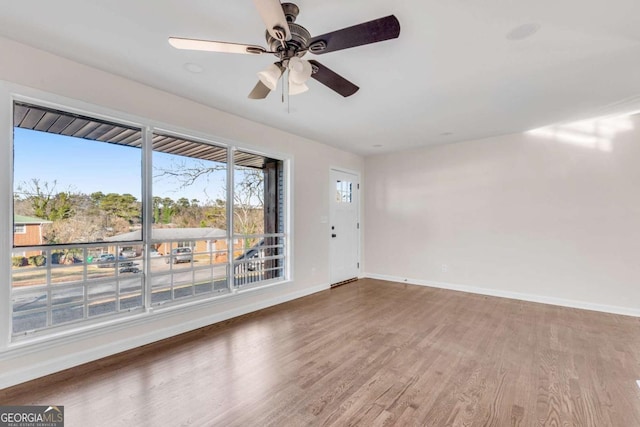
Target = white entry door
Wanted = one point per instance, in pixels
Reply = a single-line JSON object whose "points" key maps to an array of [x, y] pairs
{"points": [[344, 226]]}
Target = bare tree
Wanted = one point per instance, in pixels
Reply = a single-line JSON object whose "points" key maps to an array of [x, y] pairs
{"points": [[44, 200], [248, 203], [187, 173]]}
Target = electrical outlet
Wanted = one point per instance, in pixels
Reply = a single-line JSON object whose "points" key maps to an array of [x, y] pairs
{"points": [[445, 268]]}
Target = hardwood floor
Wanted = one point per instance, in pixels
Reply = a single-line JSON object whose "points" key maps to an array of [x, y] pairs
{"points": [[369, 353]]}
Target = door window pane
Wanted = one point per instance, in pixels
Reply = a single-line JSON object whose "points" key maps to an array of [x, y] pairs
{"points": [[344, 192]]}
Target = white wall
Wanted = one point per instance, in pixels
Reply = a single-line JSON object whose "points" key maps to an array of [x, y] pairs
{"points": [[551, 216], [25, 66]]}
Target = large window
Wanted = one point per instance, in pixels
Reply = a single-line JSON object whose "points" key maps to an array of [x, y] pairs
{"points": [[108, 222]]}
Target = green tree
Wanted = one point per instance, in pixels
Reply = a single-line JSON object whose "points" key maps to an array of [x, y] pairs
{"points": [[183, 204], [61, 208], [123, 206], [168, 209], [157, 201]]}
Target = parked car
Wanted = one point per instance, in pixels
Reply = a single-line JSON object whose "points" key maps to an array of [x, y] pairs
{"points": [[129, 253], [124, 265], [105, 260], [180, 255], [128, 267]]}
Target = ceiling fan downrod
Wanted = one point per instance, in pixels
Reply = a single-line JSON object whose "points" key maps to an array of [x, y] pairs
{"points": [[291, 12]]}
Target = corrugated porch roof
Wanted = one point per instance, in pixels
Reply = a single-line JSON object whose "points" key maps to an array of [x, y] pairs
{"points": [[27, 116]]}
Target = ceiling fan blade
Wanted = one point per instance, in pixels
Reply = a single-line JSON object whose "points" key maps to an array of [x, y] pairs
{"points": [[260, 91], [366, 33], [332, 80], [214, 46], [273, 17]]}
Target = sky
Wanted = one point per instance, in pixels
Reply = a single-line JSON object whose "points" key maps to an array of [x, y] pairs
{"points": [[85, 166]]}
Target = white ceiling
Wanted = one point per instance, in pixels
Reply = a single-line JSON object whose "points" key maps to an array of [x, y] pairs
{"points": [[452, 75]]}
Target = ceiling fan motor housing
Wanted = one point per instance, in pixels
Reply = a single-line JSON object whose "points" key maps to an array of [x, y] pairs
{"points": [[297, 46]]}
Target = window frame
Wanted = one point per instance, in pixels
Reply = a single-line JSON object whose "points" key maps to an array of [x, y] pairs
{"points": [[16, 94]]}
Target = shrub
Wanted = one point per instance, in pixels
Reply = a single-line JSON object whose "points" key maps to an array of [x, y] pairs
{"points": [[19, 261], [37, 260]]}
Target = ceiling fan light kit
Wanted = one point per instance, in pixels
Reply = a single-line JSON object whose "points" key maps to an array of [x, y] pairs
{"points": [[290, 42], [270, 76], [297, 88], [299, 70]]}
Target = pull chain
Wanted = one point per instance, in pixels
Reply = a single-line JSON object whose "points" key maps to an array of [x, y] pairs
{"points": [[288, 94]]}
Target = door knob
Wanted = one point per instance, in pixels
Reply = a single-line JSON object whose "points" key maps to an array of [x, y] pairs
{"points": [[333, 235]]}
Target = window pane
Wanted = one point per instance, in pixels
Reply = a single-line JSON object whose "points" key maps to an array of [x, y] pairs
{"points": [[77, 185], [344, 192], [258, 215], [189, 231]]}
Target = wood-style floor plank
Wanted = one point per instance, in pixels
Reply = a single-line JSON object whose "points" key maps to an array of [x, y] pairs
{"points": [[368, 353]]}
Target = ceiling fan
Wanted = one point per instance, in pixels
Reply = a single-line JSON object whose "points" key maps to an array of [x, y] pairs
{"points": [[290, 42]]}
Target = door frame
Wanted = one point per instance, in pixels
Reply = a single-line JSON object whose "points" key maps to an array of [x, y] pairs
{"points": [[331, 194]]}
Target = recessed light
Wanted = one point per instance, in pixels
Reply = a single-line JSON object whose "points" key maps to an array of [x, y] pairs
{"points": [[446, 133], [523, 31], [377, 146], [193, 68]]}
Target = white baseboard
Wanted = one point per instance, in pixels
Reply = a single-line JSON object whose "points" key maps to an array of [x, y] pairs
{"points": [[512, 295], [65, 361]]}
